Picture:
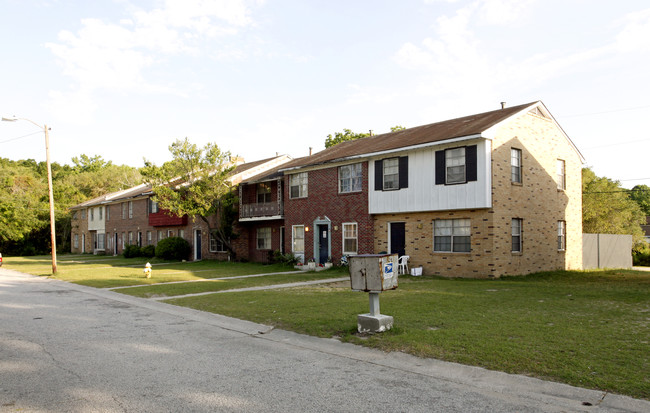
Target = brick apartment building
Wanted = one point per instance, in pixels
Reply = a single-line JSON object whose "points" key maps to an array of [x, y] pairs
{"points": [[486, 195]]}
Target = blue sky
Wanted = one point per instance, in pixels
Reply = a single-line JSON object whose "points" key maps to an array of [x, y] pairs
{"points": [[124, 79]]}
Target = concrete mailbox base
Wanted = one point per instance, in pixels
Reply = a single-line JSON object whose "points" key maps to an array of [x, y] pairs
{"points": [[368, 323]]}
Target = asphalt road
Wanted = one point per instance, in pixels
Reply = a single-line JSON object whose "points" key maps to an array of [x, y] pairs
{"points": [[68, 348]]}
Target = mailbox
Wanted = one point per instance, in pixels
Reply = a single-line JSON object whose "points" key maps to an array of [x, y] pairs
{"points": [[373, 272]]}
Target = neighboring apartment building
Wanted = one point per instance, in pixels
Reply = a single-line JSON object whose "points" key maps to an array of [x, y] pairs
{"points": [[132, 217], [486, 195]]}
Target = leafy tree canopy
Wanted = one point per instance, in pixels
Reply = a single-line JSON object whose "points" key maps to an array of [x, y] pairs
{"points": [[348, 135], [641, 195], [84, 163], [195, 183], [607, 207]]}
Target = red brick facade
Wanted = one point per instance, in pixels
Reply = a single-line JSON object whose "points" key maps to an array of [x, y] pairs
{"points": [[325, 207]]}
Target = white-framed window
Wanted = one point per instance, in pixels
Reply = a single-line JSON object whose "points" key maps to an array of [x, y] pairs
{"points": [[75, 215], [350, 238], [452, 235], [170, 233], [130, 209], [350, 178], [83, 214], [264, 238], [101, 213], [298, 239], [391, 173], [153, 206], [123, 239], [100, 241], [108, 212], [130, 238], [124, 206], [108, 240], [455, 165], [216, 245], [298, 185], [181, 233], [515, 165], [561, 175], [76, 241], [263, 193], [160, 235], [149, 238], [561, 235], [92, 214], [516, 230]]}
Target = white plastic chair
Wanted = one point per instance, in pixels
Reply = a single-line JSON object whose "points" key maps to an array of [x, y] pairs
{"points": [[403, 267]]}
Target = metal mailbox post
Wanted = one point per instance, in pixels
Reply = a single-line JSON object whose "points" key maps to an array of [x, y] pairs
{"points": [[373, 273]]}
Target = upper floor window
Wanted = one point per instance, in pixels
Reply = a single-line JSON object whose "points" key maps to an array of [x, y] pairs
{"points": [[130, 209], [298, 185], [153, 206], [101, 213], [350, 238], [124, 210], [264, 238], [92, 214], [75, 215], [263, 193], [561, 176], [391, 173], [350, 178], [517, 224], [451, 235], [456, 165], [561, 235], [108, 212], [515, 165]]}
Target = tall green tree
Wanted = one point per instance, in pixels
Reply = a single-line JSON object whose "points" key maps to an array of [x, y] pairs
{"points": [[196, 183], [607, 207], [348, 135], [641, 195]]}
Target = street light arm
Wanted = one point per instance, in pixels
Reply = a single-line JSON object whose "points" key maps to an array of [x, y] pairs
{"points": [[13, 119]]}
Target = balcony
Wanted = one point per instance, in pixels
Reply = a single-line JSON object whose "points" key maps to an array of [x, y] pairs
{"points": [[261, 211]]}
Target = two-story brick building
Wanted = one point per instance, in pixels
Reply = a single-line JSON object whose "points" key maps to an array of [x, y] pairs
{"points": [[485, 195]]}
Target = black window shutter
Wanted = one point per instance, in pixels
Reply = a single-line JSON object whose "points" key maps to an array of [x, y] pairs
{"points": [[379, 175], [470, 163], [440, 167], [403, 172]]}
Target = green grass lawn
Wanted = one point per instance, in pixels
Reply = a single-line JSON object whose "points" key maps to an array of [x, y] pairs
{"points": [[106, 272], [589, 329]]}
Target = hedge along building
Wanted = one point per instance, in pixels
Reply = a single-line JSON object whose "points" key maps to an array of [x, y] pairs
{"points": [[131, 217], [486, 195]]}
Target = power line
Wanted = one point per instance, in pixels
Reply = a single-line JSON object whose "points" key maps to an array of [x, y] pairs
{"points": [[20, 137]]}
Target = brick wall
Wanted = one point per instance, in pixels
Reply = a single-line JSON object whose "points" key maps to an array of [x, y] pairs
{"points": [[80, 228], [536, 201], [325, 203]]}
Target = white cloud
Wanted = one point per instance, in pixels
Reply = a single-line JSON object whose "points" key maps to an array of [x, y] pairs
{"points": [[115, 56], [499, 12], [635, 35]]}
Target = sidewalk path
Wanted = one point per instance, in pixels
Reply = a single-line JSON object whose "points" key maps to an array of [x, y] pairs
{"points": [[71, 348]]}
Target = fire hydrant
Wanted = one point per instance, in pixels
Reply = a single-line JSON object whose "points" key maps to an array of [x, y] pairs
{"points": [[147, 270]]}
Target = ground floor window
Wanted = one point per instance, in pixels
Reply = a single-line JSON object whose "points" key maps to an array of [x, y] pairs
{"points": [[298, 239], [100, 241], [561, 235], [451, 235], [130, 238], [264, 238], [181, 233], [216, 245], [148, 237], [160, 235], [350, 238], [517, 225], [76, 241]]}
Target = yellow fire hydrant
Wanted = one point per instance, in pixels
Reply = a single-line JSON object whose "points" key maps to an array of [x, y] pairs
{"points": [[147, 270]]}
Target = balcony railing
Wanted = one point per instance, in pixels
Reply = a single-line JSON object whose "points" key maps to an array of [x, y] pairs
{"points": [[269, 209]]}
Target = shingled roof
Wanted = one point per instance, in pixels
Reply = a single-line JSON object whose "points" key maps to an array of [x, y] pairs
{"points": [[434, 132]]}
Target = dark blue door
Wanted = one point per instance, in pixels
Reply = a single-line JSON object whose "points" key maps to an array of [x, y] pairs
{"points": [[397, 238], [323, 244]]}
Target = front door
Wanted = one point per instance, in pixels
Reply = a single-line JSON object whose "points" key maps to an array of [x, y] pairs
{"points": [[197, 245], [397, 238], [115, 244], [323, 244]]}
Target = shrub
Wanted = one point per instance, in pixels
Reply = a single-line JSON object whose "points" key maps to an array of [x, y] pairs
{"points": [[280, 258], [131, 251], [641, 255], [148, 251], [173, 248]]}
